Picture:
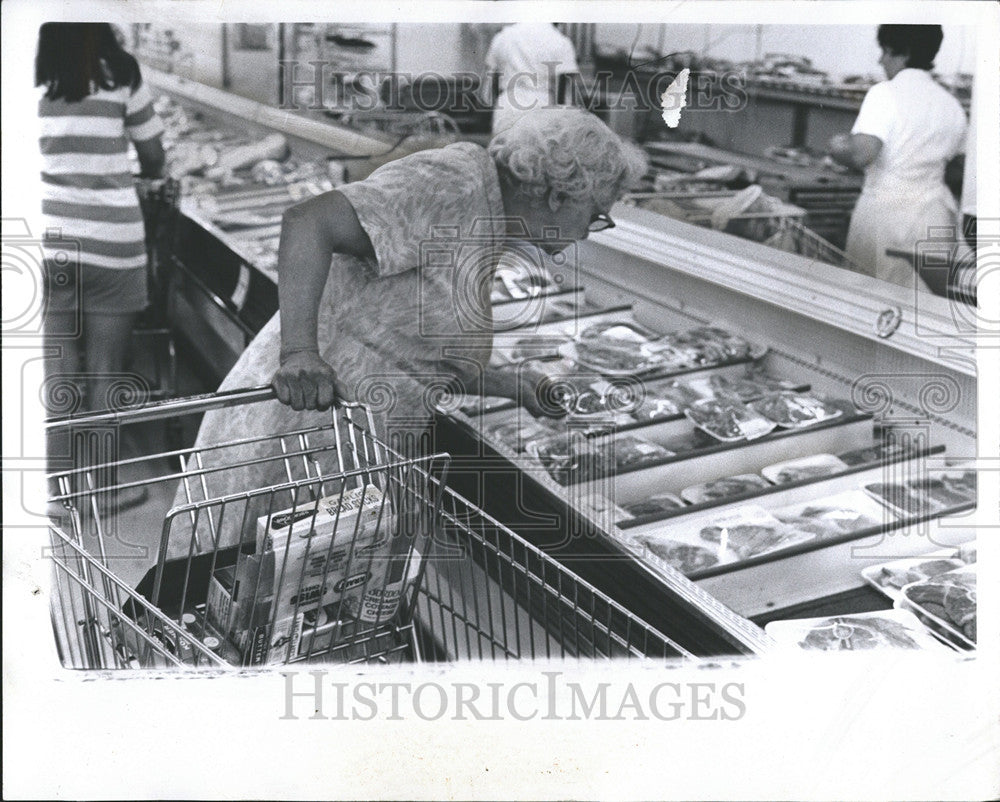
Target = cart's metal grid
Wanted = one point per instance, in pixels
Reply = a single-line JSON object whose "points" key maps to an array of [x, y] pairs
{"points": [[473, 588]]}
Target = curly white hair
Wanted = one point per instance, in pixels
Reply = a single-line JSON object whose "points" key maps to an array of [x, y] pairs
{"points": [[568, 152]]}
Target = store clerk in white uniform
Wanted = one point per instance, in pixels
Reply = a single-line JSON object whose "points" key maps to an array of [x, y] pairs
{"points": [[534, 64], [908, 128]]}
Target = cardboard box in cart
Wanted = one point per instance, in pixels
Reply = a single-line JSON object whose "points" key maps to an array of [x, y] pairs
{"points": [[329, 554]]}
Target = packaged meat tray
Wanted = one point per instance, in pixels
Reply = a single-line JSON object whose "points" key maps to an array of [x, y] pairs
{"points": [[940, 493], [728, 420], [571, 458], [707, 345], [654, 505], [686, 558], [839, 514], [617, 333], [889, 629], [891, 577], [621, 358], [804, 468], [744, 388], [795, 410], [723, 488], [664, 399], [535, 347], [876, 453], [947, 603], [473, 405], [902, 500], [751, 531], [520, 431]]}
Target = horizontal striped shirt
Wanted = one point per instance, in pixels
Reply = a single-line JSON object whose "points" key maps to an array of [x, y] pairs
{"points": [[88, 191]]}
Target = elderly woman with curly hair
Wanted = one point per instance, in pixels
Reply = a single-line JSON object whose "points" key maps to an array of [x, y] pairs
{"points": [[384, 284]]}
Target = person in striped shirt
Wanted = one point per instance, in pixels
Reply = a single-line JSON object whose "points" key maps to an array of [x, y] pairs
{"points": [[94, 103]]}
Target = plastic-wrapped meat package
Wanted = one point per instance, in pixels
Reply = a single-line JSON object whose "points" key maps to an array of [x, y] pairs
{"points": [[517, 434], [751, 531], [724, 488], [950, 598], [685, 557], [654, 505], [664, 399], [795, 410], [878, 452], [728, 420], [707, 345], [571, 458], [810, 467], [828, 521], [746, 388], [892, 629]]}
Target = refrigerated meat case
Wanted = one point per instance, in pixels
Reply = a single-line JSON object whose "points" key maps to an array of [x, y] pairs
{"points": [[902, 364], [899, 365]]}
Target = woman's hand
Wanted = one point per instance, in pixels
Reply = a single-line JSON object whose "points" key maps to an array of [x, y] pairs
{"points": [[306, 381]]}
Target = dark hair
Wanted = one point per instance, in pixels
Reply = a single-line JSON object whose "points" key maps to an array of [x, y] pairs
{"points": [[75, 58], [919, 43]]}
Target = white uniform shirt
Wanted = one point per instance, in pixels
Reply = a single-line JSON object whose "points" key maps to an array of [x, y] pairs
{"points": [[529, 57], [921, 127]]}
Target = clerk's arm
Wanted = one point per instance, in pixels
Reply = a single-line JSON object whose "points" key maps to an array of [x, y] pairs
{"points": [[311, 233], [855, 150]]}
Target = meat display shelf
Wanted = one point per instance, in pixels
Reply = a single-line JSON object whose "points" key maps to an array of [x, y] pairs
{"points": [[903, 362]]}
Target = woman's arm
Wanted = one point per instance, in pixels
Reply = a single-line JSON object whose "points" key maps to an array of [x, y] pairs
{"points": [[855, 150], [151, 158], [311, 233]]}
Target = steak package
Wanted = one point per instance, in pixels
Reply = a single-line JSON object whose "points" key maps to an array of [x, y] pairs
{"points": [[743, 388], [664, 399], [570, 458], [723, 488], [876, 453], [750, 531], [947, 599], [654, 505], [795, 410], [891, 577], [686, 558], [706, 345], [728, 420], [804, 468], [903, 500], [889, 629]]}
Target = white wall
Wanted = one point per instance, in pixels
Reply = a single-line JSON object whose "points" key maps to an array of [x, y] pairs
{"points": [[837, 49]]}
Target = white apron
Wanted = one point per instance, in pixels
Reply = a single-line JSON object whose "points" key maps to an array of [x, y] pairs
{"points": [[897, 217]]}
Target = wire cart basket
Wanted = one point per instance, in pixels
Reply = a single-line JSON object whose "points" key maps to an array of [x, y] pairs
{"points": [[360, 555]]}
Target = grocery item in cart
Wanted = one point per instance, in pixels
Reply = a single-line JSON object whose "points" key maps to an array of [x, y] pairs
{"points": [[571, 458], [795, 410], [948, 599], [728, 420], [751, 531], [686, 558], [889, 629], [892, 577], [654, 505], [723, 488], [804, 468]]}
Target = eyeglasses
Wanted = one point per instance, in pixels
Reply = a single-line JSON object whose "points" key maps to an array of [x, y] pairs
{"points": [[600, 222]]}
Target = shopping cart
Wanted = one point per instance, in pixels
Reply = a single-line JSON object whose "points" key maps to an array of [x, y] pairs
{"points": [[360, 555]]}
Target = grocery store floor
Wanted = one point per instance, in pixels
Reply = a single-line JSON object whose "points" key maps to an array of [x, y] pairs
{"points": [[131, 535]]}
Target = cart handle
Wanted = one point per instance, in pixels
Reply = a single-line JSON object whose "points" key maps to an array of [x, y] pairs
{"points": [[171, 407]]}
